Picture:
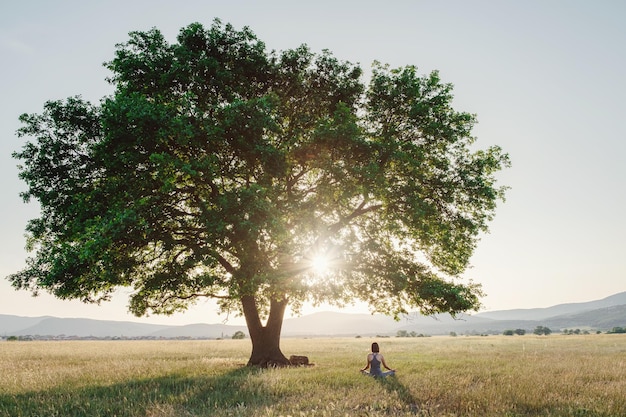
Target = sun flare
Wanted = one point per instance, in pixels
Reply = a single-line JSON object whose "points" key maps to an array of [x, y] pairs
{"points": [[320, 264]]}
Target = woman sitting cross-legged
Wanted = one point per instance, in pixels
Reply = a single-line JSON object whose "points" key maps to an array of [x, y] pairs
{"points": [[374, 360]]}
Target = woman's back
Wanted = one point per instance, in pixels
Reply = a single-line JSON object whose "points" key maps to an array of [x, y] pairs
{"points": [[375, 364]]}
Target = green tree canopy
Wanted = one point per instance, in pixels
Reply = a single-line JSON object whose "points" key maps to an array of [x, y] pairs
{"points": [[219, 169], [542, 331], [239, 335]]}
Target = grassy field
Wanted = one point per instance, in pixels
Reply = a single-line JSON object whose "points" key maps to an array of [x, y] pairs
{"points": [[438, 376]]}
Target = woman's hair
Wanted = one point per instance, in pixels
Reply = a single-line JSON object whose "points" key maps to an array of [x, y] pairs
{"points": [[375, 347]]}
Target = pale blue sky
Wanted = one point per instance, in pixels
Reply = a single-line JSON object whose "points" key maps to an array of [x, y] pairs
{"points": [[545, 78]]}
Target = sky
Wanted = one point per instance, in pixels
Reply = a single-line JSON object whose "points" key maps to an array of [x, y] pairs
{"points": [[545, 79]]}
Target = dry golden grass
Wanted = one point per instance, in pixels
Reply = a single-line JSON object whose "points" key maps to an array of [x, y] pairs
{"points": [[439, 376]]}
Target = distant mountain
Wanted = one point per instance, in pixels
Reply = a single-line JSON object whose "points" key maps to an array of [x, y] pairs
{"points": [[11, 324], [205, 331], [338, 324], [597, 315], [602, 314], [602, 318], [54, 326], [557, 310]]}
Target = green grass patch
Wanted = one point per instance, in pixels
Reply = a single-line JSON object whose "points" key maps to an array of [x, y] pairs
{"points": [[437, 376]]}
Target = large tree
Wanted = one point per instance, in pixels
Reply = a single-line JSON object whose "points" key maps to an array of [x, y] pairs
{"points": [[219, 169]]}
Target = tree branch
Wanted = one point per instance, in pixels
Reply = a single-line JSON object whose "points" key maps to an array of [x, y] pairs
{"points": [[187, 297], [359, 211]]}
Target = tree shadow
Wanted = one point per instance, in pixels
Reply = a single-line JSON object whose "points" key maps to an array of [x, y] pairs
{"points": [[162, 396]]}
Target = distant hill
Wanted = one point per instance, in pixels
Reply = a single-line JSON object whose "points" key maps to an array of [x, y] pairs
{"points": [[601, 315], [602, 318], [200, 330], [596, 315], [557, 310], [11, 324], [54, 326], [338, 324]]}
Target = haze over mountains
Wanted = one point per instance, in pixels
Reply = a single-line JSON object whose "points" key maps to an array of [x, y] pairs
{"points": [[600, 315]]}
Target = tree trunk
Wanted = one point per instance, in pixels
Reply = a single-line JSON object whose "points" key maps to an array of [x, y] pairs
{"points": [[265, 339]]}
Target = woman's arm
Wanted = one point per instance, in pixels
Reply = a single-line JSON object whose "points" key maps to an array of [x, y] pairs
{"points": [[382, 360], [368, 364]]}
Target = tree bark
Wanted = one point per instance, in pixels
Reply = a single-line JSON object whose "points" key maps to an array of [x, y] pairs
{"points": [[265, 339]]}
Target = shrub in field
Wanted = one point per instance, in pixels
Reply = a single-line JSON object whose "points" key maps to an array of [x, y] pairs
{"points": [[239, 335], [542, 331], [615, 330]]}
